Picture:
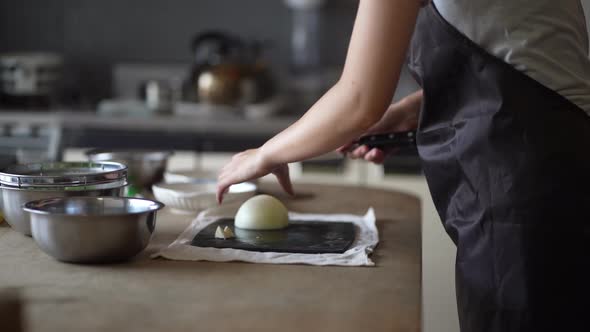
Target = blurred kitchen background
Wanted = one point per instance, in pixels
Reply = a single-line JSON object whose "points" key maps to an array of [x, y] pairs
{"points": [[148, 70], [95, 38], [204, 78]]}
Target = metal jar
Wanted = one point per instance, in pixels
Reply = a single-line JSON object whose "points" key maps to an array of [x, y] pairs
{"points": [[24, 183]]}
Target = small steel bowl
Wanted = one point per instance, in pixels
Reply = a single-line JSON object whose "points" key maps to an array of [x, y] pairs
{"points": [[13, 200], [24, 183], [93, 229], [145, 167]]}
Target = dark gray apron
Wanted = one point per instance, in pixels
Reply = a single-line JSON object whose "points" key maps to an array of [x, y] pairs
{"points": [[508, 164]]}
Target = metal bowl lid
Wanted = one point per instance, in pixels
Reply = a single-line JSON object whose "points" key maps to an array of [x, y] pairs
{"points": [[82, 189], [57, 174]]}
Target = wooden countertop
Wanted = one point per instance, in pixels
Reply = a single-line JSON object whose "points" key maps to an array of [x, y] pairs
{"points": [[161, 295]]}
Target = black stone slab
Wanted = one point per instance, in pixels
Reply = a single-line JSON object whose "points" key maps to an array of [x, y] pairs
{"points": [[307, 237]]}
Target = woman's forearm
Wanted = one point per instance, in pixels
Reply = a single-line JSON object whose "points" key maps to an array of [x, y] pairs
{"points": [[332, 120], [376, 53], [402, 115]]}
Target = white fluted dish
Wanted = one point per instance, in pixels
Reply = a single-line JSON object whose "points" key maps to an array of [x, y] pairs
{"points": [[190, 198]]}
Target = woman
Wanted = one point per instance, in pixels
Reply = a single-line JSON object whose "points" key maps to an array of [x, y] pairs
{"points": [[503, 135]]}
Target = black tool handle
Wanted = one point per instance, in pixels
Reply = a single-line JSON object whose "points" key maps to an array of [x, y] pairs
{"points": [[402, 139]]}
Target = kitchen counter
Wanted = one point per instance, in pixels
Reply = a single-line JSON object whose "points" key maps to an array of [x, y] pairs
{"points": [[198, 133], [161, 295], [176, 123]]}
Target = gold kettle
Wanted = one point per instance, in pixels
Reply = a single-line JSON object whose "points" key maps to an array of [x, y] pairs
{"points": [[228, 71]]}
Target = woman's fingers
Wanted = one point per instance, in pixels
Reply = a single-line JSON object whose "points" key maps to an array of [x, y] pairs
{"points": [[359, 152], [344, 149], [378, 156], [282, 174], [375, 155], [223, 184], [246, 166], [222, 188], [225, 180]]}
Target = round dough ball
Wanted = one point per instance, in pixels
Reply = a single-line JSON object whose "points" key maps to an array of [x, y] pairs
{"points": [[262, 212]]}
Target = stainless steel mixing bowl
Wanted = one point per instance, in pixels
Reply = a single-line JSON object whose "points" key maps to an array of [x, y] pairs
{"points": [[13, 200], [145, 167], [93, 229], [24, 183]]}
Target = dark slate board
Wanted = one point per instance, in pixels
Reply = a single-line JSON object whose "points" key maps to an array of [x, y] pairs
{"points": [[306, 237]]}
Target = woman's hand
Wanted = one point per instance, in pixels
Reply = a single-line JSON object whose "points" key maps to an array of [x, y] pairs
{"points": [[401, 116], [249, 165], [376, 53]]}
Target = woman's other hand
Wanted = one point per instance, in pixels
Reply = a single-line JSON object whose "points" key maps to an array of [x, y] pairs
{"points": [[249, 165], [400, 116]]}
